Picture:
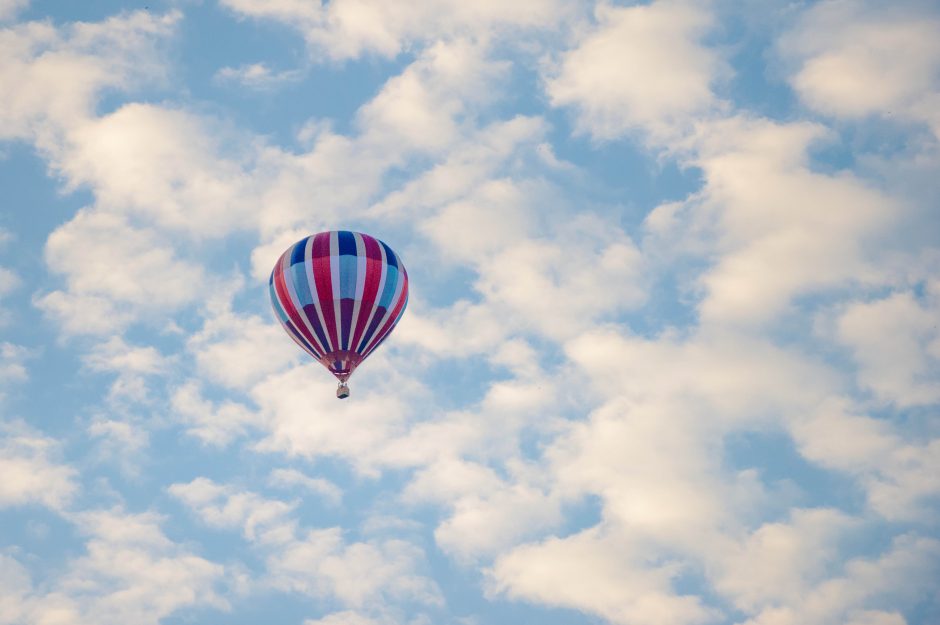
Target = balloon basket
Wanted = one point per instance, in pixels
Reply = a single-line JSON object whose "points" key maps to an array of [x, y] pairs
{"points": [[342, 391]]}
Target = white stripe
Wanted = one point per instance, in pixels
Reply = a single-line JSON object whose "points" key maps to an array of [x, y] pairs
{"points": [[334, 274], [378, 292], [399, 286], [292, 293], [360, 285]]}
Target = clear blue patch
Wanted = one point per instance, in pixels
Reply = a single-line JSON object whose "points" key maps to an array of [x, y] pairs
{"points": [[779, 464]]}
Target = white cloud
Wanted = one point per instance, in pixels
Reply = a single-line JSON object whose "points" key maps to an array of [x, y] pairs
{"points": [[257, 76], [642, 67], [907, 569], [238, 351], [116, 356], [31, 471], [52, 77], [212, 423], [896, 345], [120, 442], [470, 165], [855, 58], [553, 280], [222, 506], [775, 228], [896, 474], [8, 281], [426, 110], [487, 514], [12, 364], [346, 617], [637, 424], [349, 28], [131, 573], [15, 584], [321, 564], [84, 314], [128, 272], [779, 563], [287, 478], [601, 573], [545, 287], [317, 562], [300, 411], [9, 8], [422, 108], [133, 366], [176, 169]]}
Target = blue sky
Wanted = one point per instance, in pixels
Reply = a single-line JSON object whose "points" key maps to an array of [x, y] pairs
{"points": [[671, 354]]}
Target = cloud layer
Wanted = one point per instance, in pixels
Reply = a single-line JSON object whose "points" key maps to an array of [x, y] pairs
{"points": [[669, 358]]}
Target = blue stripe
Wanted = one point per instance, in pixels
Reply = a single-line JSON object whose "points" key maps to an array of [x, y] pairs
{"points": [[391, 280], [347, 243], [276, 304], [297, 254], [298, 274], [390, 257], [348, 268]]}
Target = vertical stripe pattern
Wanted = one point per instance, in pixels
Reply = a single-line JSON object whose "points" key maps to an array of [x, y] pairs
{"points": [[338, 295]]}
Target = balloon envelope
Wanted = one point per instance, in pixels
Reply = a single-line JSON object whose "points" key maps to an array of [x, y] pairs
{"points": [[339, 294]]}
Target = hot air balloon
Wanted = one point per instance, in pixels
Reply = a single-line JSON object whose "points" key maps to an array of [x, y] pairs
{"points": [[338, 295]]}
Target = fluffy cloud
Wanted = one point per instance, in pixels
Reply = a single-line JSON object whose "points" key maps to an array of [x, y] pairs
{"points": [[488, 514], [133, 366], [349, 28], [895, 473], [115, 272], [256, 76], [865, 585], [9, 8], [317, 562], [222, 506], [238, 351], [167, 166], [31, 471], [53, 76], [130, 572], [896, 346], [12, 364], [299, 411], [780, 562], [776, 228], [8, 281], [542, 300], [641, 67], [287, 478], [213, 423], [855, 58], [358, 574], [601, 573]]}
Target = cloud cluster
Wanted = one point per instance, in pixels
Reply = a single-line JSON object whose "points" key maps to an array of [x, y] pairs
{"points": [[853, 59], [545, 420], [130, 572], [314, 561]]}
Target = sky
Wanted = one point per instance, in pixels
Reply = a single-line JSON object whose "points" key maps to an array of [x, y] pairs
{"points": [[671, 354]]}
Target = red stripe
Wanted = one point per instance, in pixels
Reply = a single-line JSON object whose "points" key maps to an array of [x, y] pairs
{"points": [[402, 298], [280, 287], [370, 287], [323, 279]]}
